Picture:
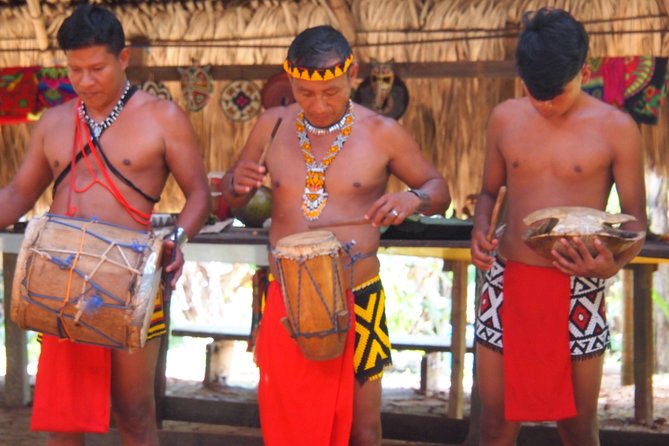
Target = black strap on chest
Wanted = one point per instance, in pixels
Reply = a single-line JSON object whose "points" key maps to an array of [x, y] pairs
{"points": [[87, 151]]}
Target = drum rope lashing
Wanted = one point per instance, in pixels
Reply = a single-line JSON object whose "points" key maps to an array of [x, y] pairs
{"points": [[70, 277]]}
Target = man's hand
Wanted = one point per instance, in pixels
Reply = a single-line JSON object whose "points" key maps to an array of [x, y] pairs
{"points": [[481, 248], [578, 261], [173, 261], [392, 209], [246, 177]]}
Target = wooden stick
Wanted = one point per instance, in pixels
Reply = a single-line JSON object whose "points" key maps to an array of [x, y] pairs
{"points": [[344, 222], [495, 212], [269, 142]]}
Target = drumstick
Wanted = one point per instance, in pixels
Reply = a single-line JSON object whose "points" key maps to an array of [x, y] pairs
{"points": [[269, 142], [343, 222], [495, 212]]}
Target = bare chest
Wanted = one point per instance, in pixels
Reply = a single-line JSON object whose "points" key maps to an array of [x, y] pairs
{"points": [[354, 169], [123, 146], [563, 154]]}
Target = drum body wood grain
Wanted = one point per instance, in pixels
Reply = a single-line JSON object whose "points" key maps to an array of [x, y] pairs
{"points": [[87, 281], [312, 283]]}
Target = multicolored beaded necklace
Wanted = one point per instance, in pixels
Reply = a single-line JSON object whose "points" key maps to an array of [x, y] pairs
{"points": [[315, 197]]}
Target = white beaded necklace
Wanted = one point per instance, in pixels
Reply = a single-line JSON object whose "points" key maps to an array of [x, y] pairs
{"points": [[99, 127], [318, 131]]}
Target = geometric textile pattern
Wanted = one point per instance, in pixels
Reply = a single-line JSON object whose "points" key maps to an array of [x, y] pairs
{"points": [[157, 327], [54, 87], [18, 94], [489, 320], [156, 88], [372, 344], [240, 100], [588, 330], [197, 84]]}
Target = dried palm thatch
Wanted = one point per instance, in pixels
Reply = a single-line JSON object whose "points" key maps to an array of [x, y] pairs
{"points": [[446, 115]]}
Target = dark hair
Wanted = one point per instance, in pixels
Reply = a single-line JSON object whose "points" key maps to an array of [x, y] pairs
{"points": [[551, 51], [318, 47], [91, 25]]}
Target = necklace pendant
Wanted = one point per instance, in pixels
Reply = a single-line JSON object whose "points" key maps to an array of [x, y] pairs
{"points": [[315, 197], [97, 131]]}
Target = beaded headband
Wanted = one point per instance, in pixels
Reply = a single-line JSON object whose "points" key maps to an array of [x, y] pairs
{"points": [[322, 74]]}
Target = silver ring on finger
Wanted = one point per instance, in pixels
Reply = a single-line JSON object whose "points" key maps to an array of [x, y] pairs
{"points": [[394, 213]]}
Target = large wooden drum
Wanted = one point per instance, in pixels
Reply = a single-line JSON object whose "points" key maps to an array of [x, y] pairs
{"points": [[86, 281], [311, 277]]}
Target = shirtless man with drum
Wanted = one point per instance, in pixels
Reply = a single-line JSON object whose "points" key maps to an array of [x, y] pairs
{"points": [[329, 165], [145, 139]]}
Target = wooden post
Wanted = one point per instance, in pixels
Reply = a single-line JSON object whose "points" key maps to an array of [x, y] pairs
{"points": [[456, 400], [643, 343], [429, 373], [627, 360], [474, 434], [17, 384]]}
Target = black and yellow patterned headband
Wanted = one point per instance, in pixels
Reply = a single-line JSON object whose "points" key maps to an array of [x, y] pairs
{"points": [[322, 74]]}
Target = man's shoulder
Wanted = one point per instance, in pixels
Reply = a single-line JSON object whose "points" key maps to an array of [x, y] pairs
{"points": [[375, 121], [512, 105], [148, 100], [58, 112], [509, 110], [607, 114]]}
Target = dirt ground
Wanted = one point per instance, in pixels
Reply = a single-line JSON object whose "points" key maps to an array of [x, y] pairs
{"points": [[616, 410]]}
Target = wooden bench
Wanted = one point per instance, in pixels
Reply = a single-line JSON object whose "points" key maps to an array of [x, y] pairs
{"points": [[431, 346], [219, 350]]}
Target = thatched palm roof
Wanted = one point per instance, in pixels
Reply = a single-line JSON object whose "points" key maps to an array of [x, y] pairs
{"points": [[447, 113]]}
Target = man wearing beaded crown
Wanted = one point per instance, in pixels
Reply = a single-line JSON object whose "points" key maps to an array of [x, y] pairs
{"points": [[329, 162], [141, 140]]}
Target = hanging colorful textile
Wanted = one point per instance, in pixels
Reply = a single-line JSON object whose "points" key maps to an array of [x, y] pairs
{"points": [[197, 85], [240, 100], [635, 84], [607, 80], [315, 197], [645, 87], [18, 94], [54, 87]]}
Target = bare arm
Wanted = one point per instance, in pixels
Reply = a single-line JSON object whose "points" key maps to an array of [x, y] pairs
{"points": [[31, 180], [184, 160], [494, 176], [628, 175], [407, 163], [247, 174]]}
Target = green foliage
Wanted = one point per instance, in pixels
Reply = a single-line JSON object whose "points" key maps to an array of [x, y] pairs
{"points": [[661, 304], [417, 294]]}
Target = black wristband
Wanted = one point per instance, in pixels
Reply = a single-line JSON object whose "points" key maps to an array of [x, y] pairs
{"points": [[423, 197], [232, 187]]}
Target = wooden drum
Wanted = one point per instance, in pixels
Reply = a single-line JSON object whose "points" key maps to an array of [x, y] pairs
{"points": [[86, 281], [311, 277]]}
